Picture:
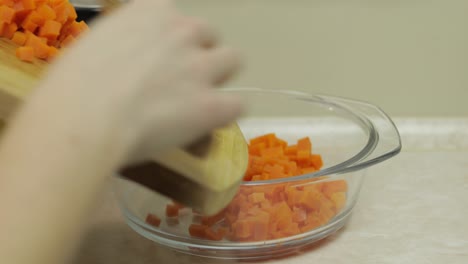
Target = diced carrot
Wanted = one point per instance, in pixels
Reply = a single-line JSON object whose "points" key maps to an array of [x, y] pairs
{"points": [[256, 149], [339, 199], [41, 50], [290, 150], [257, 178], [299, 215], [272, 152], [9, 30], [39, 45], [312, 222], [291, 230], [25, 53], [65, 29], [198, 231], [7, 3], [7, 14], [31, 22], [222, 231], [279, 142], [54, 3], [29, 4], [304, 144], [334, 186], [29, 25], [260, 229], [20, 12], [54, 21], [326, 211], [283, 221], [243, 229], [274, 172], [261, 139], [53, 53], [69, 40], [52, 41], [212, 235], [264, 212], [62, 12], [51, 29], [2, 28], [46, 12], [294, 196], [211, 220], [283, 209], [153, 220], [316, 161], [36, 18], [230, 218], [313, 187], [303, 155], [272, 230], [172, 210], [19, 38], [257, 197], [311, 200], [291, 168], [72, 15]]}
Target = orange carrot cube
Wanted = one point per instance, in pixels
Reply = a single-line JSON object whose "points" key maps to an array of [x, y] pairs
{"points": [[6, 14], [25, 54], [153, 220], [19, 38]]}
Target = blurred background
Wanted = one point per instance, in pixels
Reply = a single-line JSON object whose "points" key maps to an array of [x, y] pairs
{"points": [[408, 56]]}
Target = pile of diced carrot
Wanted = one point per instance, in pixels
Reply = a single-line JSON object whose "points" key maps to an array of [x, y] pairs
{"points": [[272, 211], [272, 158], [39, 27]]}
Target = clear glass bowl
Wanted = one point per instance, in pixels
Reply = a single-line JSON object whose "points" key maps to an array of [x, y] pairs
{"points": [[349, 135]]}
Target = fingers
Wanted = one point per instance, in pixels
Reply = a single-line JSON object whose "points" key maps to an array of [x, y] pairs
{"points": [[196, 117], [202, 33], [217, 109], [216, 66], [196, 32], [222, 64]]}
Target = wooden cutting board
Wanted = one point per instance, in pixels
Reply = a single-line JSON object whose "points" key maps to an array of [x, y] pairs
{"points": [[17, 78], [205, 182]]}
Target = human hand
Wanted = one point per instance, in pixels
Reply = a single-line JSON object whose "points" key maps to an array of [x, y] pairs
{"points": [[149, 72]]}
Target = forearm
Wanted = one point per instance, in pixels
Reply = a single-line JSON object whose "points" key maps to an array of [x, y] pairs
{"points": [[52, 164]]}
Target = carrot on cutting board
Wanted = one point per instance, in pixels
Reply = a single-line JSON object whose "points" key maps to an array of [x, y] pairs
{"points": [[25, 54], [51, 29], [19, 38], [54, 21], [7, 13], [9, 30]]}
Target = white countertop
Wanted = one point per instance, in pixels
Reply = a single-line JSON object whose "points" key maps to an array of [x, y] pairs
{"points": [[412, 209]]}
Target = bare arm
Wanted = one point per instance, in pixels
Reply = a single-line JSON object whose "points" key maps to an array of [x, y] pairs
{"points": [[92, 114], [51, 167]]}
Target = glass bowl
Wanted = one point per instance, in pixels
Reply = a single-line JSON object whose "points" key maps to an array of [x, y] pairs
{"points": [[349, 136]]}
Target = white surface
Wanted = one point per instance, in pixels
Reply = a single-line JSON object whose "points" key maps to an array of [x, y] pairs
{"points": [[412, 209]]}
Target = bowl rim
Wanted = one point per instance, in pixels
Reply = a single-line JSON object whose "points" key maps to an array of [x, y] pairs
{"points": [[324, 100]]}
